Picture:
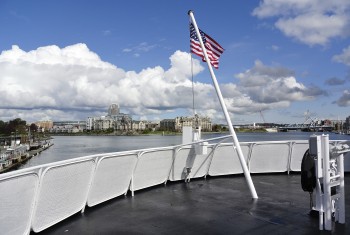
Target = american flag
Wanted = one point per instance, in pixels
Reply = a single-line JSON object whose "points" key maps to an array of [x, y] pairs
{"points": [[214, 50]]}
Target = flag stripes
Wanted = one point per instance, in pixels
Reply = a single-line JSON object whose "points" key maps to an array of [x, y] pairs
{"points": [[213, 48]]}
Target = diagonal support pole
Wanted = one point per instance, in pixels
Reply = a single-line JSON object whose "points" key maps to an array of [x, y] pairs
{"points": [[227, 117]]}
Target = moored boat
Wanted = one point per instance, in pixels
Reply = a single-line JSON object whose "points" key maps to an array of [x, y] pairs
{"points": [[271, 129]]}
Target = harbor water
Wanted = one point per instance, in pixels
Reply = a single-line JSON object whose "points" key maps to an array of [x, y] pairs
{"points": [[67, 147]]}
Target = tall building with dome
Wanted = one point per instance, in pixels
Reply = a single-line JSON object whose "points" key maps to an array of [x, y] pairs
{"points": [[113, 120], [113, 110]]}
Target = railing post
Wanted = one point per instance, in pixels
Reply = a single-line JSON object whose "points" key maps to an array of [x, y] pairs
{"points": [[326, 187]]}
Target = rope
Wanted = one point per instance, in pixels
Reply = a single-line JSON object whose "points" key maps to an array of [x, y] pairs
{"points": [[193, 106]]}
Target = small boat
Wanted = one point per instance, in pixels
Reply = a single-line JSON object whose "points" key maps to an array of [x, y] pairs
{"points": [[271, 129]]}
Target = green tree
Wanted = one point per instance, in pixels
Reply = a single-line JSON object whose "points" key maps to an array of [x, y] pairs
{"points": [[33, 127], [2, 127], [17, 125], [216, 128], [13, 126]]}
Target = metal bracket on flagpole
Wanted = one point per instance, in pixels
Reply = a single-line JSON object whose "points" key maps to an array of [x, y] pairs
{"points": [[223, 106]]}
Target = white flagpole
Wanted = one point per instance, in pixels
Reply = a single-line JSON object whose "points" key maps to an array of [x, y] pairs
{"points": [[223, 106]]}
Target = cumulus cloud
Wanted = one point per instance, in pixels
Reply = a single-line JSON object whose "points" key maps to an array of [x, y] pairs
{"points": [[334, 81], [273, 87], [344, 100], [308, 21], [51, 77], [73, 83], [75, 80], [344, 57]]}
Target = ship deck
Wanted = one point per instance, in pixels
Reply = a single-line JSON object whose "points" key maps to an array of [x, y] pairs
{"points": [[215, 205]]}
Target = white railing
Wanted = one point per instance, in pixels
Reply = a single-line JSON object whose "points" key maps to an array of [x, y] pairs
{"points": [[39, 197]]}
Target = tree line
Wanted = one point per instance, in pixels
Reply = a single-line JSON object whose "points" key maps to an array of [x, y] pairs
{"points": [[15, 126]]}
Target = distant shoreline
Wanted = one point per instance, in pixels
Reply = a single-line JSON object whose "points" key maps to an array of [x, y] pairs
{"points": [[165, 133]]}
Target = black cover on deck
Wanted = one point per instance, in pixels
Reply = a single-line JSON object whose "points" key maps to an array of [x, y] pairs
{"points": [[217, 205]]}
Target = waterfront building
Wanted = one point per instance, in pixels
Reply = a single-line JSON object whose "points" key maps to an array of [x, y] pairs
{"points": [[347, 125], [103, 123], [122, 122], [177, 123], [114, 120], [338, 125], [205, 123], [68, 127], [82, 124], [327, 122], [44, 125], [152, 125], [138, 125], [167, 125], [90, 123]]}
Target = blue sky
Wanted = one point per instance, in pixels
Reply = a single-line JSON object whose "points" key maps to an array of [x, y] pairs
{"points": [[67, 60]]}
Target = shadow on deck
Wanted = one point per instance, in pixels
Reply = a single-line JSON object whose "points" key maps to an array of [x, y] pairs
{"points": [[216, 205]]}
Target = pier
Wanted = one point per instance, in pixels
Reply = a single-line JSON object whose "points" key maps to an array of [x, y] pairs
{"points": [[13, 162]]}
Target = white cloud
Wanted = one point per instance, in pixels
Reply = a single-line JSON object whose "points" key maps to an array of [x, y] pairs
{"points": [[73, 83], [344, 57], [334, 81], [275, 48], [308, 21], [344, 100], [140, 48], [273, 87], [107, 32], [78, 54], [75, 79]]}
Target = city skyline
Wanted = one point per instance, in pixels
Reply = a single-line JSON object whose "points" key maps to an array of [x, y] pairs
{"points": [[69, 60]]}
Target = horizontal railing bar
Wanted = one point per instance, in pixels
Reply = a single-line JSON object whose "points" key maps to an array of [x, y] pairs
{"points": [[121, 153]]}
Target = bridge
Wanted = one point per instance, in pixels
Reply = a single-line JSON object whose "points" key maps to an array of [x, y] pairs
{"points": [[305, 127], [310, 125]]}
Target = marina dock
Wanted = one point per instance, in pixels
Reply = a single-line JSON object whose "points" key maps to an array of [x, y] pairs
{"points": [[14, 162]]}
